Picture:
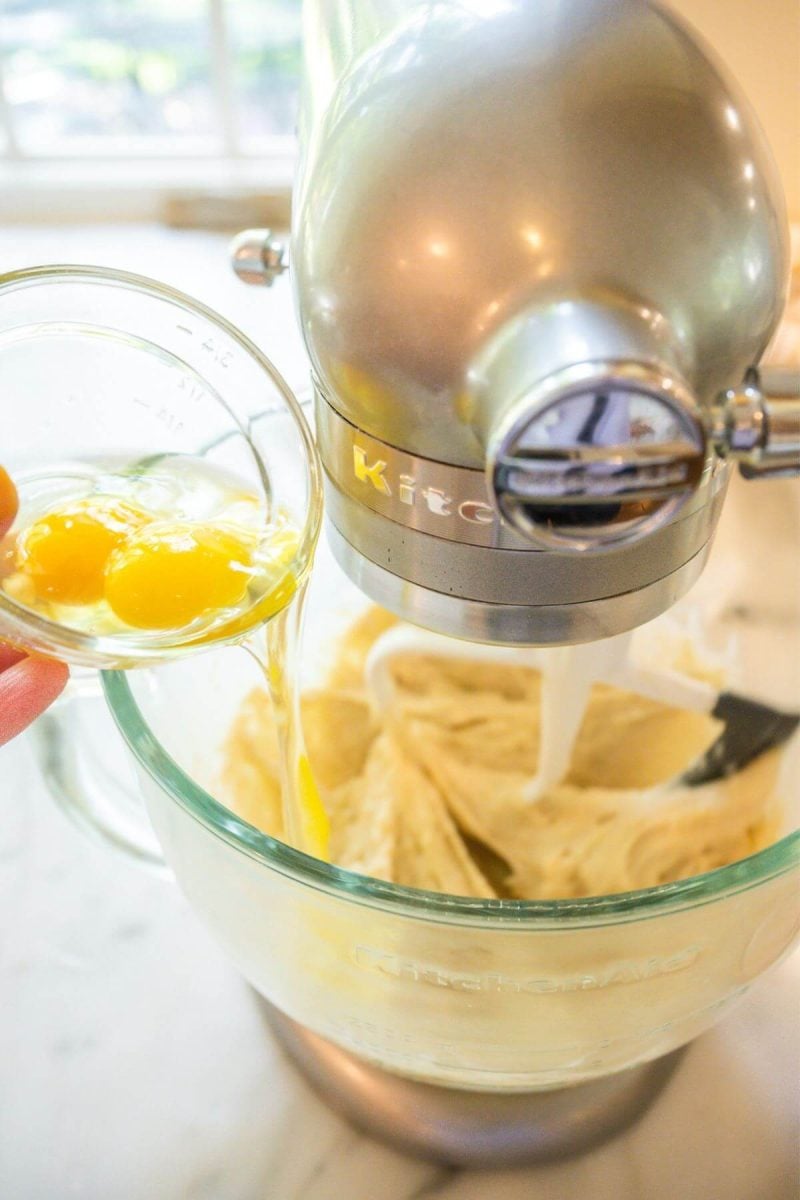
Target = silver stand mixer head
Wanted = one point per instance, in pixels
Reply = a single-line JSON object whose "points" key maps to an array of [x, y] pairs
{"points": [[536, 252]]}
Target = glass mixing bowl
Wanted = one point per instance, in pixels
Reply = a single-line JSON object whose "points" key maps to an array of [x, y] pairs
{"points": [[493, 995]]}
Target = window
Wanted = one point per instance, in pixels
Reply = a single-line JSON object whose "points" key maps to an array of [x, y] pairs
{"points": [[126, 103]]}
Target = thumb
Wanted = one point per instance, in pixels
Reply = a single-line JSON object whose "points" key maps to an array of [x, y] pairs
{"points": [[26, 690], [8, 501]]}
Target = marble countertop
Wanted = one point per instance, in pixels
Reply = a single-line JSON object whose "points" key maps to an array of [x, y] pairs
{"points": [[135, 1063]]}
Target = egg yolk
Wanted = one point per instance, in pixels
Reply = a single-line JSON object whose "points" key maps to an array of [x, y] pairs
{"points": [[169, 574], [64, 553]]}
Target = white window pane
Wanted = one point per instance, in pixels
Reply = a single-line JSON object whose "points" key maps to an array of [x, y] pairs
{"points": [[97, 73], [266, 46]]}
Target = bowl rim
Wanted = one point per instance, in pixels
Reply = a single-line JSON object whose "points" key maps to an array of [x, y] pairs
{"points": [[771, 862]]}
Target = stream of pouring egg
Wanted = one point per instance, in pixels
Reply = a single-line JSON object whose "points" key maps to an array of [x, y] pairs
{"points": [[305, 819]]}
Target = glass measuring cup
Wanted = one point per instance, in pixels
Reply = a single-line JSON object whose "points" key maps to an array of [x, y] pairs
{"points": [[103, 366]]}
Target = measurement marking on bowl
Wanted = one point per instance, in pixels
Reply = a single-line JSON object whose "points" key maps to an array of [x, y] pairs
{"points": [[221, 357], [195, 390]]}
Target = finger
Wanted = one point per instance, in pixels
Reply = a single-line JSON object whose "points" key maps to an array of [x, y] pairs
{"points": [[8, 501], [26, 689], [9, 656]]}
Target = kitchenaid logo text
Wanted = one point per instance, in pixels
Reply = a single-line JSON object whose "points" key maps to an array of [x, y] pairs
{"points": [[437, 501], [625, 971]]}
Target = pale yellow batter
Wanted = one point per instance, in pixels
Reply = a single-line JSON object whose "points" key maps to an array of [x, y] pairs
{"points": [[431, 795]]}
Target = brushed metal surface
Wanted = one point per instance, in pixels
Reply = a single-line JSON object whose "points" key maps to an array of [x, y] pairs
{"points": [[470, 1129], [438, 498], [522, 577], [513, 624], [458, 503]]}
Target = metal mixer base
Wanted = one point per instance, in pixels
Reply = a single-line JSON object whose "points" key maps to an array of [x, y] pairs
{"points": [[470, 1129]]}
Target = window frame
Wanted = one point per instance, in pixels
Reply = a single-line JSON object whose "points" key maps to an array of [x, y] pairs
{"points": [[172, 179]]}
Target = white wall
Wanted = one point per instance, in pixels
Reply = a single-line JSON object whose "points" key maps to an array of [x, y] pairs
{"points": [[760, 42]]}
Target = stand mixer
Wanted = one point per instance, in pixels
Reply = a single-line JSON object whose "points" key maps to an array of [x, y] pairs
{"points": [[538, 252]]}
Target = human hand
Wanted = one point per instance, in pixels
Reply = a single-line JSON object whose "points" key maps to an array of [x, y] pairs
{"points": [[27, 684]]}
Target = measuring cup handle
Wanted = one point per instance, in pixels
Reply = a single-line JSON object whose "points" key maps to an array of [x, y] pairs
{"points": [[90, 773]]}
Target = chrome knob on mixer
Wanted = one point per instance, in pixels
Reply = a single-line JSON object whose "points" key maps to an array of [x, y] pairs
{"points": [[758, 424], [258, 257]]}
